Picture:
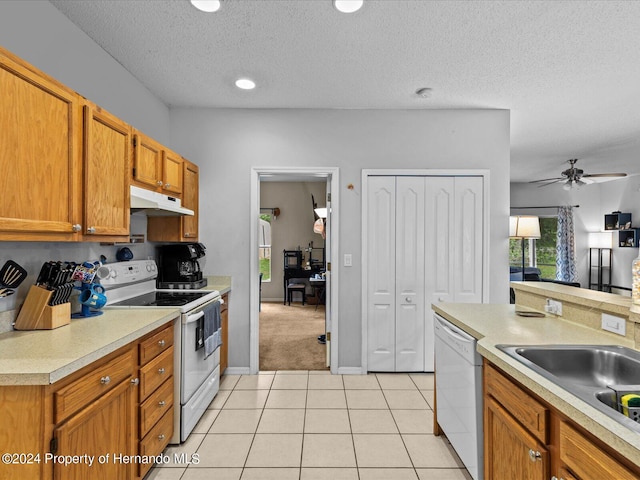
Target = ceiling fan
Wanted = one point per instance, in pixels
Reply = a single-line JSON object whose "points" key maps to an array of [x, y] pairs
{"points": [[575, 176]]}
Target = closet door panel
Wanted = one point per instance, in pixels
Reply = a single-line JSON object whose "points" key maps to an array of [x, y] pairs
{"points": [[410, 224], [468, 238], [381, 241]]}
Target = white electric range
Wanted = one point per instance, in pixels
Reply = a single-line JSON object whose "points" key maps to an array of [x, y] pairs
{"points": [[196, 378]]}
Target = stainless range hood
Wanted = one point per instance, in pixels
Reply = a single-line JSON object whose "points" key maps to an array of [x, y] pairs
{"points": [[155, 204]]}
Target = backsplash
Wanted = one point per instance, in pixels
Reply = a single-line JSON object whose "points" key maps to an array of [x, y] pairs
{"points": [[31, 256]]}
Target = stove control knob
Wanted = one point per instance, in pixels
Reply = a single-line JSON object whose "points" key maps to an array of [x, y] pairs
{"points": [[148, 267]]}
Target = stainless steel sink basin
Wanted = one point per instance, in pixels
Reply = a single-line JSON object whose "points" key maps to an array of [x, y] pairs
{"points": [[590, 372]]}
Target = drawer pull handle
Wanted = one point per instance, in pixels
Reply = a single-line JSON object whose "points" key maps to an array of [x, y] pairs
{"points": [[162, 403], [135, 381], [161, 436], [161, 371], [161, 343], [105, 380], [533, 455]]}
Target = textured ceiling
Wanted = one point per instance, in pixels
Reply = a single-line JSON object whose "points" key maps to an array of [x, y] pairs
{"points": [[569, 71]]}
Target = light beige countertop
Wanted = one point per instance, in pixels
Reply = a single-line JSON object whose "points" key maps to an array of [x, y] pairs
{"points": [[218, 282], [41, 357], [492, 325]]}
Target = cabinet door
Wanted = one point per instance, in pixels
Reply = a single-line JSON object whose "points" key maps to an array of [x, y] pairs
{"points": [[381, 277], [39, 154], [107, 426], [510, 450], [107, 143], [409, 322], [190, 200], [147, 162], [171, 172]]}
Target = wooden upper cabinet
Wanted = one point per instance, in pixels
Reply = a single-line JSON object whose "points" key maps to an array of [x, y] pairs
{"points": [[183, 228], [155, 167], [172, 175], [40, 145], [107, 153], [190, 200], [147, 162]]}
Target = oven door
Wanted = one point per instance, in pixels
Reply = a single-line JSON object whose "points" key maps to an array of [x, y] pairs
{"points": [[194, 368]]}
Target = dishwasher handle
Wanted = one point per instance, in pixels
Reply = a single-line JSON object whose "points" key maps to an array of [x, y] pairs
{"points": [[456, 334]]}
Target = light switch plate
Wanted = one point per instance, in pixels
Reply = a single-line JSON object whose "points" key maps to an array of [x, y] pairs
{"points": [[348, 260], [614, 324]]}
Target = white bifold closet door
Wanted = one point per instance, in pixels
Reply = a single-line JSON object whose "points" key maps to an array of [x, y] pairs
{"points": [[424, 244]]}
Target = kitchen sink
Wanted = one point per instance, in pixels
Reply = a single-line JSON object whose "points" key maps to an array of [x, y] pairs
{"points": [[593, 373]]}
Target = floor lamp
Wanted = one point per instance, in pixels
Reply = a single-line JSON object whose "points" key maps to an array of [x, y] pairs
{"points": [[524, 227]]}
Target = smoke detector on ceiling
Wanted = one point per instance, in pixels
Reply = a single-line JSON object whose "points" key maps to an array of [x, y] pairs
{"points": [[424, 92]]}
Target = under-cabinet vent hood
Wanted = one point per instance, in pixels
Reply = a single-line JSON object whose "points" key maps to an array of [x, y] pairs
{"points": [[155, 204]]}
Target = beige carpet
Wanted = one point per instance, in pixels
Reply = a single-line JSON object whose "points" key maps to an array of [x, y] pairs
{"points": [[289, 337]]}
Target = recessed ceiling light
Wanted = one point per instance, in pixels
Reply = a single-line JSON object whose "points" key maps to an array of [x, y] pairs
{"points": [[348, 6], [245, 84], [206, 5]]}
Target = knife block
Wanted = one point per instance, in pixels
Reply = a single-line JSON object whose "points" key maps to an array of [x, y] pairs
{"points": [[37, 314]]}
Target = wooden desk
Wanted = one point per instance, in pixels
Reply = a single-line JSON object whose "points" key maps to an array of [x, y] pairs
{"points": [[292, 272]]}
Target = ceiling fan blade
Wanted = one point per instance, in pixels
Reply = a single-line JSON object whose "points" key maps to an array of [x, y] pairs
{"points": [[604, 175], [552, 180]]}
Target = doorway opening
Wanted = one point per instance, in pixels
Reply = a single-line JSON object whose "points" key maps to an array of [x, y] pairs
{"points": [[293, 289]]}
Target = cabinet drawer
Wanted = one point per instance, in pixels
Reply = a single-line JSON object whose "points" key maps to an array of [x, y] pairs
{"points": [[154, 407], [156, 440], [530, 413], [156, 344], [94, 384], [586, 459], [155, 373]]}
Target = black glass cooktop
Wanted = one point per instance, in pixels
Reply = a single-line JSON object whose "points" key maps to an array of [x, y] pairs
{"points": [[162, 299]]}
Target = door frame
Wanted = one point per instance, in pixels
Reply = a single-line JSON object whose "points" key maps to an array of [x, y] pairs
{"points": [[293, 174], [366, 173]]}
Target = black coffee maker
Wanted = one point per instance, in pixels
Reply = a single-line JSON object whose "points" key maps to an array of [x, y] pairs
{"points": [[179, 267]]}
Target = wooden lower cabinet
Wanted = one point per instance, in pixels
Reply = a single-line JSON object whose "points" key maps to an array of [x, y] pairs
{"points": [[224, 321], [106, 408], [511, 451], [525, 438]]}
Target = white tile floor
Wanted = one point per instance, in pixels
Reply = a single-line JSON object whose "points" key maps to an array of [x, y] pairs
{"points": [[316, 426]]}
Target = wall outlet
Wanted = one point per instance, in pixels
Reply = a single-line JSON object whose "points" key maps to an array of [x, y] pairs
{"points": [[614, 324], [554, 307]]}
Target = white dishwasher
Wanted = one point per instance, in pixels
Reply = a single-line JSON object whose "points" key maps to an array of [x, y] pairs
{"points": [[458, 369]]}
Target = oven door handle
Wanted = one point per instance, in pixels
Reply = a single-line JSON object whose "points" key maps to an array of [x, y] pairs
{"points": [[195, 317]]}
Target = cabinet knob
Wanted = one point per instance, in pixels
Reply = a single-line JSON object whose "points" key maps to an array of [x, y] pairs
{"points": [[161, 343], [161, 371], [167, 185], [440, 299], [159, 183], [135, 381], [105, 380], [187, 234], [161, 436], [534, 455], [91, 230], [76, 228], [408, 299], [162, 403]]}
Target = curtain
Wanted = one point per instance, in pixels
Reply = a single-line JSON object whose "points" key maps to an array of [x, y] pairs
{"points": [[566, 247]]}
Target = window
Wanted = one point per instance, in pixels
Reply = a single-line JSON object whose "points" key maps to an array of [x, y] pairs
{"points": [[264, 247], [540, 253]]}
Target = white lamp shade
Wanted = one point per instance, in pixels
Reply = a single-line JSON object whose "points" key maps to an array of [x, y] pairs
{"points": [[321, 212], [600, 240], [524, 226]]}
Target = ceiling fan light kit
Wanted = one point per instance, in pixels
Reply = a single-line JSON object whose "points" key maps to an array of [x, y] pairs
{"points": [[575, 176]]}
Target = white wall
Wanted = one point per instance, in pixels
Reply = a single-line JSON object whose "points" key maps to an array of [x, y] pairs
{"points": [[37, 32], [227, 143], [293, 228], [595, 201]]}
